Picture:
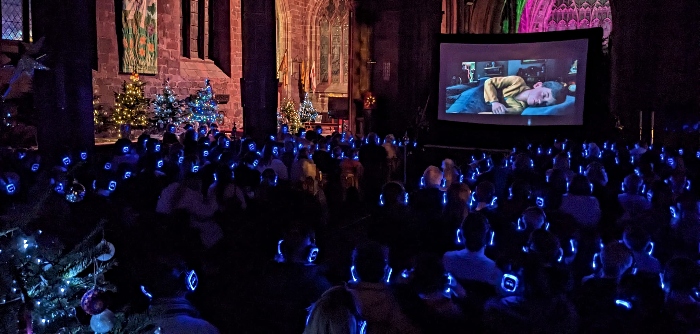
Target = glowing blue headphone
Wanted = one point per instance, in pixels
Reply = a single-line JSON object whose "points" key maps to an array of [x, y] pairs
{"points": [[405, 194], [108, 166], [112, 185], [146, 293], [35, 167], [510, 283], [311, 252], [125, 149], [623, 303], [66, 161], [387, 273], [83, 156], [127, 175], [540, 202], [674, 212], [191, 280], [10, 188]]}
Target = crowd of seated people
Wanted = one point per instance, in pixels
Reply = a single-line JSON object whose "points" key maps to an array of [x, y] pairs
{"points": [[314, 234]]}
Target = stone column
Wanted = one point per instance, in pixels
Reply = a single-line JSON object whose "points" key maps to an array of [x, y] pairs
{"points": [[259, 82], [63, 95]]}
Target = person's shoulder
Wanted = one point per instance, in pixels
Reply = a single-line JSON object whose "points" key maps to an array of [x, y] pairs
{"points": [[187, 324], [452, 255], [514, 79]]}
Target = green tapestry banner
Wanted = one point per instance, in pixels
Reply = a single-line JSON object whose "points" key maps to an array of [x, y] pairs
{"points": [[140, 37]]}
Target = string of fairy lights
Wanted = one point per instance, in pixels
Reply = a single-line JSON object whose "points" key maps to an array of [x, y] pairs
{"points": [[132, 108]]}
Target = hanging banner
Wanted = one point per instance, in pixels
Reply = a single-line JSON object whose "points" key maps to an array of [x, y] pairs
{"points": [[140, 37]]}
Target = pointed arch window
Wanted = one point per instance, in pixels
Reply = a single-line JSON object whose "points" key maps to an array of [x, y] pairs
{"points": [[336, 38], [334, 43], [325, 48]]}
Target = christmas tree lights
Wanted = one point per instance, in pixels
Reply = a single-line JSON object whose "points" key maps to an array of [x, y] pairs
{"points": [[167, 109], [203, 106], [99, 115], [51, 289], [307, 112], [130, 106], [289, 115]]}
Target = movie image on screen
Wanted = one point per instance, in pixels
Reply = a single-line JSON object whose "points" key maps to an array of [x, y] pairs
{"points": [[514, 87], [539, 83]]}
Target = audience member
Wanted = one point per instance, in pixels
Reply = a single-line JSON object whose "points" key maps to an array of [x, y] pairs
{"points": [[579, 203], [334, 313], [631, 201], [169, 281], [371, 293], [470, 263], [639, 241]]}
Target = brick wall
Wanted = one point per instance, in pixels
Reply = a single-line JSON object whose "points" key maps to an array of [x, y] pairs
{"points": [[186, 74]]}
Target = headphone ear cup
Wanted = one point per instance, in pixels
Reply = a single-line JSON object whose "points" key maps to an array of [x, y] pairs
{"points": [[191, 280], [312, 253], [387, 273], [353, 274], [560, 255]]}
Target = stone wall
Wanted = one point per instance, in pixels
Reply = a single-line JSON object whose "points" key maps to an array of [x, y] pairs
{"points": [[186, 74]]}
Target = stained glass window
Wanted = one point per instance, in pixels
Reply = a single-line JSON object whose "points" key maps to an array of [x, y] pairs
{"points": [[325, 45], [346, 53], [334, 42], [335, 52], [13, 20]]}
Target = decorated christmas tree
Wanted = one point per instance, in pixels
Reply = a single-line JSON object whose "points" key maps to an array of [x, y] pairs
{"points": [[46, 288], [131, 106], [167, 109], [203, 106], [289, 115], [99, 114], [307, 112]]}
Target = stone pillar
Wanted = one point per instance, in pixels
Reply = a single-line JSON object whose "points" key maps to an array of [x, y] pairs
{"points": [[63, 95], [259, 82]]}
